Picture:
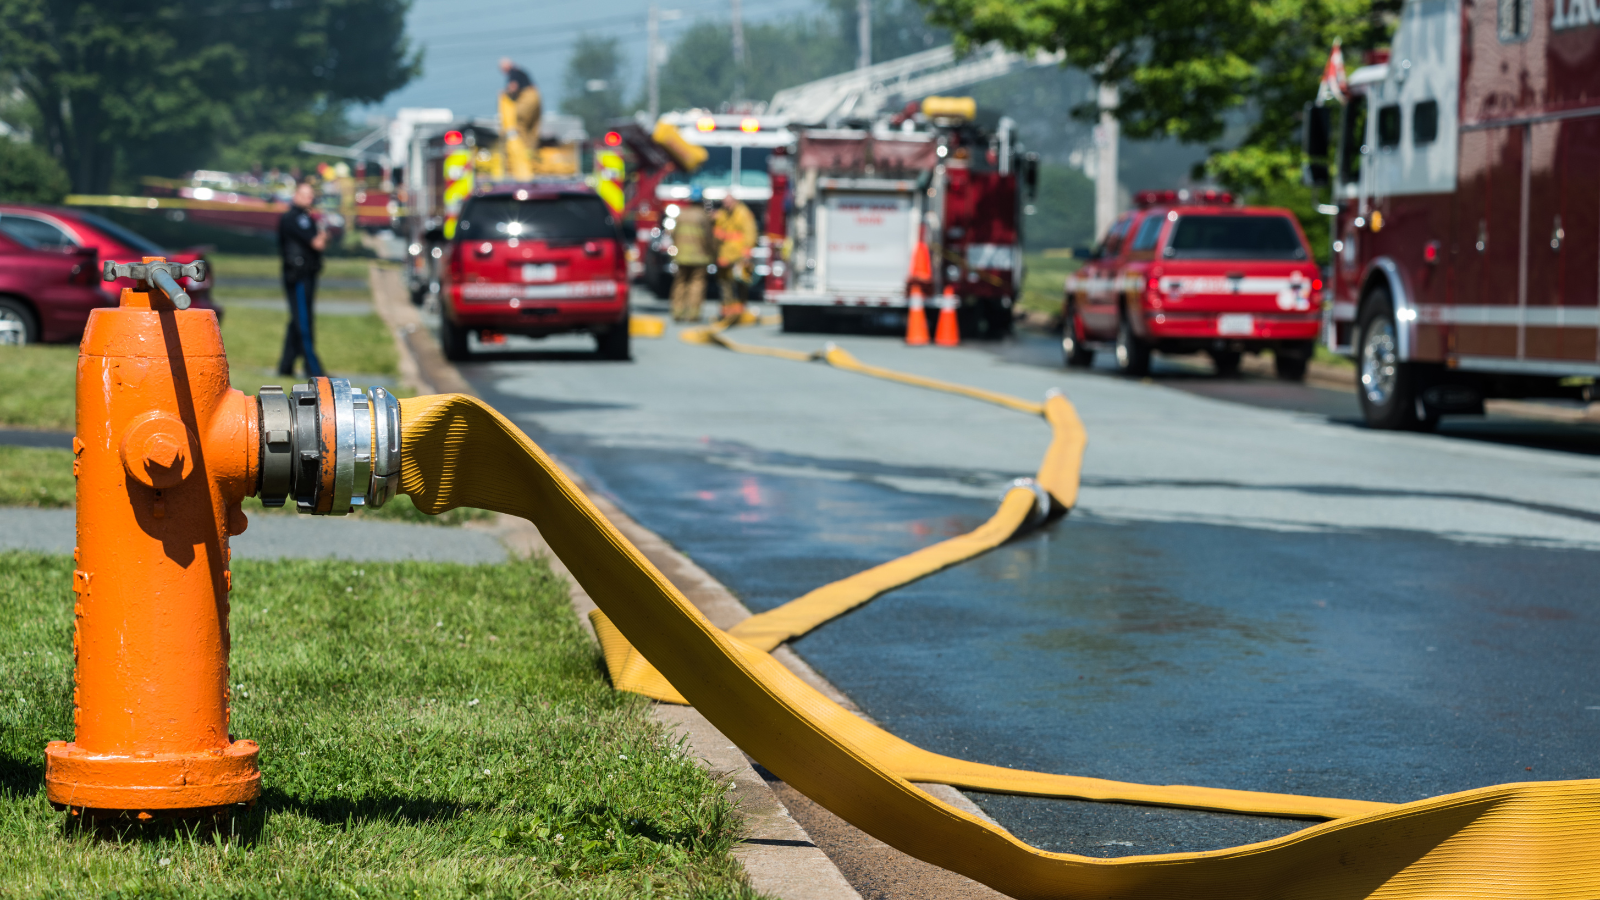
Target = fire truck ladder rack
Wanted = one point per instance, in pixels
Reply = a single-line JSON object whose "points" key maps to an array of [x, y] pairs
{"points": [[864, 93]]}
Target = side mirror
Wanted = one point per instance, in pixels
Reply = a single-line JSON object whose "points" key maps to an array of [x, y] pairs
{"points": [[434, 235], [1316, 125], [1030, 174], [1314, 174], [1083, 253]]}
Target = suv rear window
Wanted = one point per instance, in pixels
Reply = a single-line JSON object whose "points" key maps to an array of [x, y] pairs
{"points": [[568, 217], [1234, 237]]}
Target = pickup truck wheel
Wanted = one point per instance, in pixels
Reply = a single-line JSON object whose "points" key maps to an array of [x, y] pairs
{"points": [[1133, 354], [1075, 352], [1387, 388], [17, 323], [614, 343], [452, 340], [1226, 362]]}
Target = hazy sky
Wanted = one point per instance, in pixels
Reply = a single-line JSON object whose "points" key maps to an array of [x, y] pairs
{"points": [[465, 39]]}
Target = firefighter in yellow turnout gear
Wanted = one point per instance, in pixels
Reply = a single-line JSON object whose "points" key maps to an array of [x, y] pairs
{"points": [[691, 250], [735, 232], [520, 111]]}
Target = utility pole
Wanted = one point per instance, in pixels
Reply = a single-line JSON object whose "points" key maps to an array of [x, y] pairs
{"points": [[1107, 135], [652, 59], [863, 33], [738, 53]]}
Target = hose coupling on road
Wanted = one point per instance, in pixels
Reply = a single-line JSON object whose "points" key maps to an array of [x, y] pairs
{"points": [[330, 447], [1041, 503]]}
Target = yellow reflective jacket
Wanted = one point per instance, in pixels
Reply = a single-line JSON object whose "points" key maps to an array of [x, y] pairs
{"points": [[735, 230]]}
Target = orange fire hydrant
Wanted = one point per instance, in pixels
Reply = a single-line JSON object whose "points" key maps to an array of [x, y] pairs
{"points": [[165, 452]]}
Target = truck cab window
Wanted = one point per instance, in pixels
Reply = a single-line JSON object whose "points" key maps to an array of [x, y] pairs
{"points": [[1425, 122], [1149, 231], [1389, 126]]}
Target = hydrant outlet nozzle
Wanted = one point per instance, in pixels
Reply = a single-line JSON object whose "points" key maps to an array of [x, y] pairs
{"points": [[328, 446]]}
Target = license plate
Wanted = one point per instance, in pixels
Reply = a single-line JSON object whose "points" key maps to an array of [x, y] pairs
{"points": [[539, 272], [1236, 323]]}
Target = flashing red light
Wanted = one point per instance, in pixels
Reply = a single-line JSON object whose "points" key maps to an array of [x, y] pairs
{"points": [[1430, 252], [1316, 284], [452, 138], [749, 125], [1205, 198], [613, 139]]}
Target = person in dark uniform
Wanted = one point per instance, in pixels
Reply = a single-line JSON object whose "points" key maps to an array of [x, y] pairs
{"points": [[300, 243]]}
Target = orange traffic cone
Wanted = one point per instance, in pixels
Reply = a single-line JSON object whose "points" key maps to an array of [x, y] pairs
{"points": [[916, 320], [948, 333], [921, 265]]}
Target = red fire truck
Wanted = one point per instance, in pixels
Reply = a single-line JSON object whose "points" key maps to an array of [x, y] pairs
{"points": [[1466, 182], [863, 198]]}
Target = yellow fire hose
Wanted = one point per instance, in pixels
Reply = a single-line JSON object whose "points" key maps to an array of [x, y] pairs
{"points": [[1538, 839]]}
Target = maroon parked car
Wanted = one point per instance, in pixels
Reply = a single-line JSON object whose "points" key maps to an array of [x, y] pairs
{"points": [[68, 230], [47, 294]]}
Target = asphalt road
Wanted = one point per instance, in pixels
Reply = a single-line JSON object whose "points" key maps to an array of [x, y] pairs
{"points": [[1254, 592]]}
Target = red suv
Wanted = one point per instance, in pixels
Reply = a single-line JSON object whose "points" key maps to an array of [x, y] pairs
{"points": [[1181, 276], [536, 260], [55, 228]]}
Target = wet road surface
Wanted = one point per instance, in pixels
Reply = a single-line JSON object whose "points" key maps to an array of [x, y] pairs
{"points": [[1255, 596]]}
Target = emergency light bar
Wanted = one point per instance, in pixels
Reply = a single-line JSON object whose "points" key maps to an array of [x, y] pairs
{"points": [[1197, 198]]}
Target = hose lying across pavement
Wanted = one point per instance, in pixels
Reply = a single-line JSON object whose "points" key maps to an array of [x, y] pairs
{"points": [[1539, 839]]}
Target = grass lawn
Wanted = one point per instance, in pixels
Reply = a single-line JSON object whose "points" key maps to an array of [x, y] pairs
{"points": [[237, 265], [427, 730], [36, 386], [32, 476], [1043, 279]]}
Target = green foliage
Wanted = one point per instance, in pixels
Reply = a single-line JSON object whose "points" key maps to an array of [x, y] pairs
{"points": [[1063, 210], [427, 730], [159, 84], [700, 71], [595, 61], [28, 174]]}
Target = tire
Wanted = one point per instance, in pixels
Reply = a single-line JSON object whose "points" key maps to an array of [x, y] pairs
{"points": [[1290, 363], [22, 326], [1389, 390], [997, 320], [1226, 362], [1075, 352], [798, 319], [453, 340], [614, 343], [1133, 354]]}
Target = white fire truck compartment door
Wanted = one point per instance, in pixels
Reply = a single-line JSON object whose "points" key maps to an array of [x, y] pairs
{"points": [[868, 242]]}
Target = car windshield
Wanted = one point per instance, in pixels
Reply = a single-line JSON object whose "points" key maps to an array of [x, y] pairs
{"points": [[568, 217], [133, 239], [716, 171], [1234, 237]]}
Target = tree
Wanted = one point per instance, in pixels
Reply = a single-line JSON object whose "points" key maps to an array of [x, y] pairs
{"points": [[699, 72], [29, 175], [1185, 70], [164, 82], [592, 86]]}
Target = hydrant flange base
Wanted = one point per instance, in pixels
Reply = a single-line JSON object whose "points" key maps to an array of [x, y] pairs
{"points": [[166, 781]]}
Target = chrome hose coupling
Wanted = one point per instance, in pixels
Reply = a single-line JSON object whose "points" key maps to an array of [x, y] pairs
{"points": [[328, 446]]}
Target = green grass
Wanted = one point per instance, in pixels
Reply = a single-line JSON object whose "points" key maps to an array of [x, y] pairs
{"points": [[242, 266], [36, 386], [1043, 279], [427, 730], [398, 509], [348, 345], [32, 476]]}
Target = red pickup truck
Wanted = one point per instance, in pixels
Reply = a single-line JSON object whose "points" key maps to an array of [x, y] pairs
{"points": [[1184, 274], [535, 259]]}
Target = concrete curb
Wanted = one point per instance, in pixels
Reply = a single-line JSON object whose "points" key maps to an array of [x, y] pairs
{"points": [[776, 853]]}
